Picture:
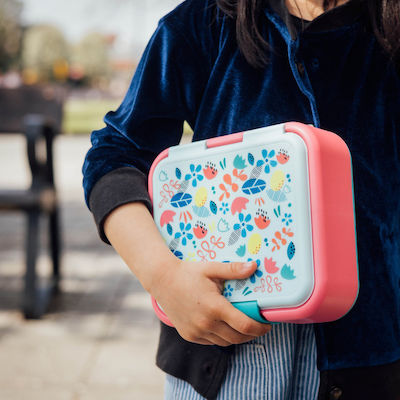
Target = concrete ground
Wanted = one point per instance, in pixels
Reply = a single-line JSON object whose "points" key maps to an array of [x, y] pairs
{"points": [[99, 338]]}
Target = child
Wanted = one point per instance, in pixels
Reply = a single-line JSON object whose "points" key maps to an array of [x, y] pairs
{"points": [[233, 65]]}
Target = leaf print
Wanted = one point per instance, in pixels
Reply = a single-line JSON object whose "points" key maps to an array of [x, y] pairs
{"points": [[213, 208], [222, 163], [246, 291], [169, 229], [178, 254], [291, 250], [253, 186], [250, 159], [181, 199]]}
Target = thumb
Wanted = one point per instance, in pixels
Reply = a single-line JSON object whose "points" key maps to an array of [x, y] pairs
{"points": [[230, 270]]}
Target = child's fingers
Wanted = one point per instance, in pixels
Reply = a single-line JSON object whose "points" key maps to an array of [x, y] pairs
{"points": [[240, 322], [220, 324], [230, 335], [198, 310], [231, 270], [204, 342], [218, 340]]}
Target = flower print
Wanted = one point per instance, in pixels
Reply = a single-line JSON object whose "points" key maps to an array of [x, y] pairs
{"points": [[268, 162], [243, 224], [184, 233], [287, 219], [257, 273], [224, 207], [228, 290], [194, 174]]}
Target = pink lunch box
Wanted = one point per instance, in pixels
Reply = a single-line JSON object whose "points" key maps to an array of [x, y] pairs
{"points": [[281, 196]]}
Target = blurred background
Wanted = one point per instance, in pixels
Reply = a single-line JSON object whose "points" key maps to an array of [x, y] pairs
{"points": [[98, 337]]}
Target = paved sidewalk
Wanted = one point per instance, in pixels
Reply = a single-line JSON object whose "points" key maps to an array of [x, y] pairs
{"points": [[99, 339]]}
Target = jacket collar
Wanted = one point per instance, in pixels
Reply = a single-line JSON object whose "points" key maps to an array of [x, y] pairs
{"points": [[334, 19]]}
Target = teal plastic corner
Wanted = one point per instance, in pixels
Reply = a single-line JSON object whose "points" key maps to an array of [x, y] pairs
{"points": [[251, 309]]}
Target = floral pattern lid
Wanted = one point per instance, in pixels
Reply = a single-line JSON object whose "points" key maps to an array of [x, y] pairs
{"points": [[242, 201]]}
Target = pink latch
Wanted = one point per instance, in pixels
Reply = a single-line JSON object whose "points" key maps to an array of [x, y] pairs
{"points": [[223, 140]]}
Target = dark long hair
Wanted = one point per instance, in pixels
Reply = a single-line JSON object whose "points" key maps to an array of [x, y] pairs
{"points": [[384, 16]]}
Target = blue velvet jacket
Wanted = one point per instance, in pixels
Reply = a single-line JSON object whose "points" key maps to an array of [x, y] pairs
{"points": [[336, 77]]}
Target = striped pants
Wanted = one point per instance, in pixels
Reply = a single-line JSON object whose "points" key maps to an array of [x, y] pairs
{"points": [[278, 366]]}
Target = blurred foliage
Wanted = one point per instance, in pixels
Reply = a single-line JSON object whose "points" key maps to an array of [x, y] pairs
{"points": [[45, 54], [40, 53], [90, 59], [10, 33]]}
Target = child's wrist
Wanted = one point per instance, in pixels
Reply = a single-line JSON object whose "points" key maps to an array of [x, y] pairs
{"points": [[158, 272]]}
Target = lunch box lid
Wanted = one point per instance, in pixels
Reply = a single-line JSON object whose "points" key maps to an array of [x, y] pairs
{"points": [[241, 197]]}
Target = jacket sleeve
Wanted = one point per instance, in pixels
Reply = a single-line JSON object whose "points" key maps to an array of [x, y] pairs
{"points": [[165, 91]]}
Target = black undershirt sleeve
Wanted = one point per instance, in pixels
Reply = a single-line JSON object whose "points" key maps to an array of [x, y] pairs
{"points": [[118, 187]]}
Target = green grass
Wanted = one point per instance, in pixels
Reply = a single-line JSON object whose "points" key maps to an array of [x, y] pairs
{"points": [[84, 116]]}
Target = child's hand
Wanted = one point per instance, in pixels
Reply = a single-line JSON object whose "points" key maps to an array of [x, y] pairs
{"points": [[188, 292], [190, 295]]}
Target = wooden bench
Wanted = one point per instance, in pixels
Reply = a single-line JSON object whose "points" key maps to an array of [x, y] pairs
{"points": [[36, 113]]}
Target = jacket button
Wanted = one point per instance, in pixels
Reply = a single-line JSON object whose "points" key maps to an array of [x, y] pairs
{"points": [[335, 393], [300, 68], [315, 63]]}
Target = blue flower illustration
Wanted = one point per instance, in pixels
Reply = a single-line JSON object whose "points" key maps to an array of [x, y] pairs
{"points": [[257, 273], [184, 233], [194, 174], [287, 219], [228, 290], [224, 207], [268, 162], [243, 224]]}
